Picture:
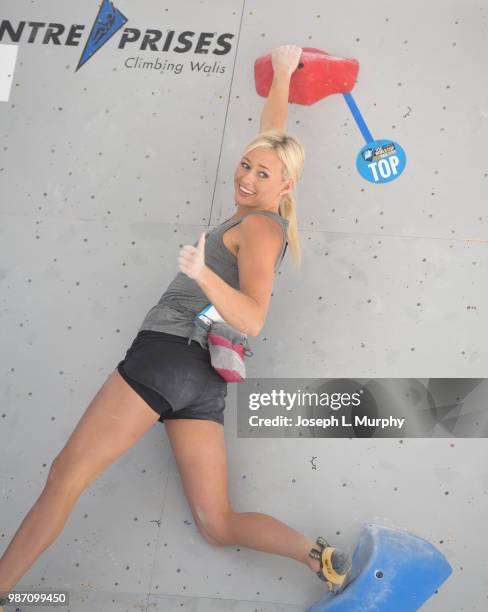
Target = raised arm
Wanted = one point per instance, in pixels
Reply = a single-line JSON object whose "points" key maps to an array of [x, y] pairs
{"points": [[275, 112]]}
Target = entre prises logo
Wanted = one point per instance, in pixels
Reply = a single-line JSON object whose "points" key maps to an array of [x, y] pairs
{"points": [[108, 21]]}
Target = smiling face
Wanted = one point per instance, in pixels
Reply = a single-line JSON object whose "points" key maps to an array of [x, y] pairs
{"points": [[259, 171]]}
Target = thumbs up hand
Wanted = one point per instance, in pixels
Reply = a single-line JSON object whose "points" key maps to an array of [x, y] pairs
{"points": [[191, 259]]}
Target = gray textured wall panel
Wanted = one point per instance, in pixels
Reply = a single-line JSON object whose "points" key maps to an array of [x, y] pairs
{"points": [[107, 171]]}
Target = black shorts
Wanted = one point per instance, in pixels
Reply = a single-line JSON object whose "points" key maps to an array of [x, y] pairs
{"points": [[176, 379]]}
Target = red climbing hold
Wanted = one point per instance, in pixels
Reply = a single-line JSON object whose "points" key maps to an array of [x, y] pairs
{"points": [[318, 75]]}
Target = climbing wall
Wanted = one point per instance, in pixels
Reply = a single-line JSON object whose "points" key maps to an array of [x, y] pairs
{"points": [[121, 126]]}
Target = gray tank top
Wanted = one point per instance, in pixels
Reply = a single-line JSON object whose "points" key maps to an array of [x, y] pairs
{"points": [[183, 299]]}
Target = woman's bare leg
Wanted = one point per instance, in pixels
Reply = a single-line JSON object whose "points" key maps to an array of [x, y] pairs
{"points": [[115, 420], [268, 534], [199, 449]]}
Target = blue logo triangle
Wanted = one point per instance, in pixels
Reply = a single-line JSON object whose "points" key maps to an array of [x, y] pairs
{"points": [[108, 21]]}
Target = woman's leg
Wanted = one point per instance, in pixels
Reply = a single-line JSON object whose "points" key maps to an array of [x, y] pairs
{"points": [[114, 421], [199, 449]]}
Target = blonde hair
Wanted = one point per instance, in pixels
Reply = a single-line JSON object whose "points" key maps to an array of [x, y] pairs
{"points": [[291, 153]]}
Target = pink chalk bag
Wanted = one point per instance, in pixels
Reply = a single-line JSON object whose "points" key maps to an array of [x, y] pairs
{"points": [[228, 347]]}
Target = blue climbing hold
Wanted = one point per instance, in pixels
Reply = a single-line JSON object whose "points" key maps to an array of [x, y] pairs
{"points": [[392, 570]]}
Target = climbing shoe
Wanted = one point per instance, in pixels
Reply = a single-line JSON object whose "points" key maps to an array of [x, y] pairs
{"points": [[335, 565]]}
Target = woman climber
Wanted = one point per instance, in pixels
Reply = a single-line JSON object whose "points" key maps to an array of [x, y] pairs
{"points": [[165, 377]]}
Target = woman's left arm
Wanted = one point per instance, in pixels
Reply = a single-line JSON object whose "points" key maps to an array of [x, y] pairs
{"points": [[275, 112]]}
